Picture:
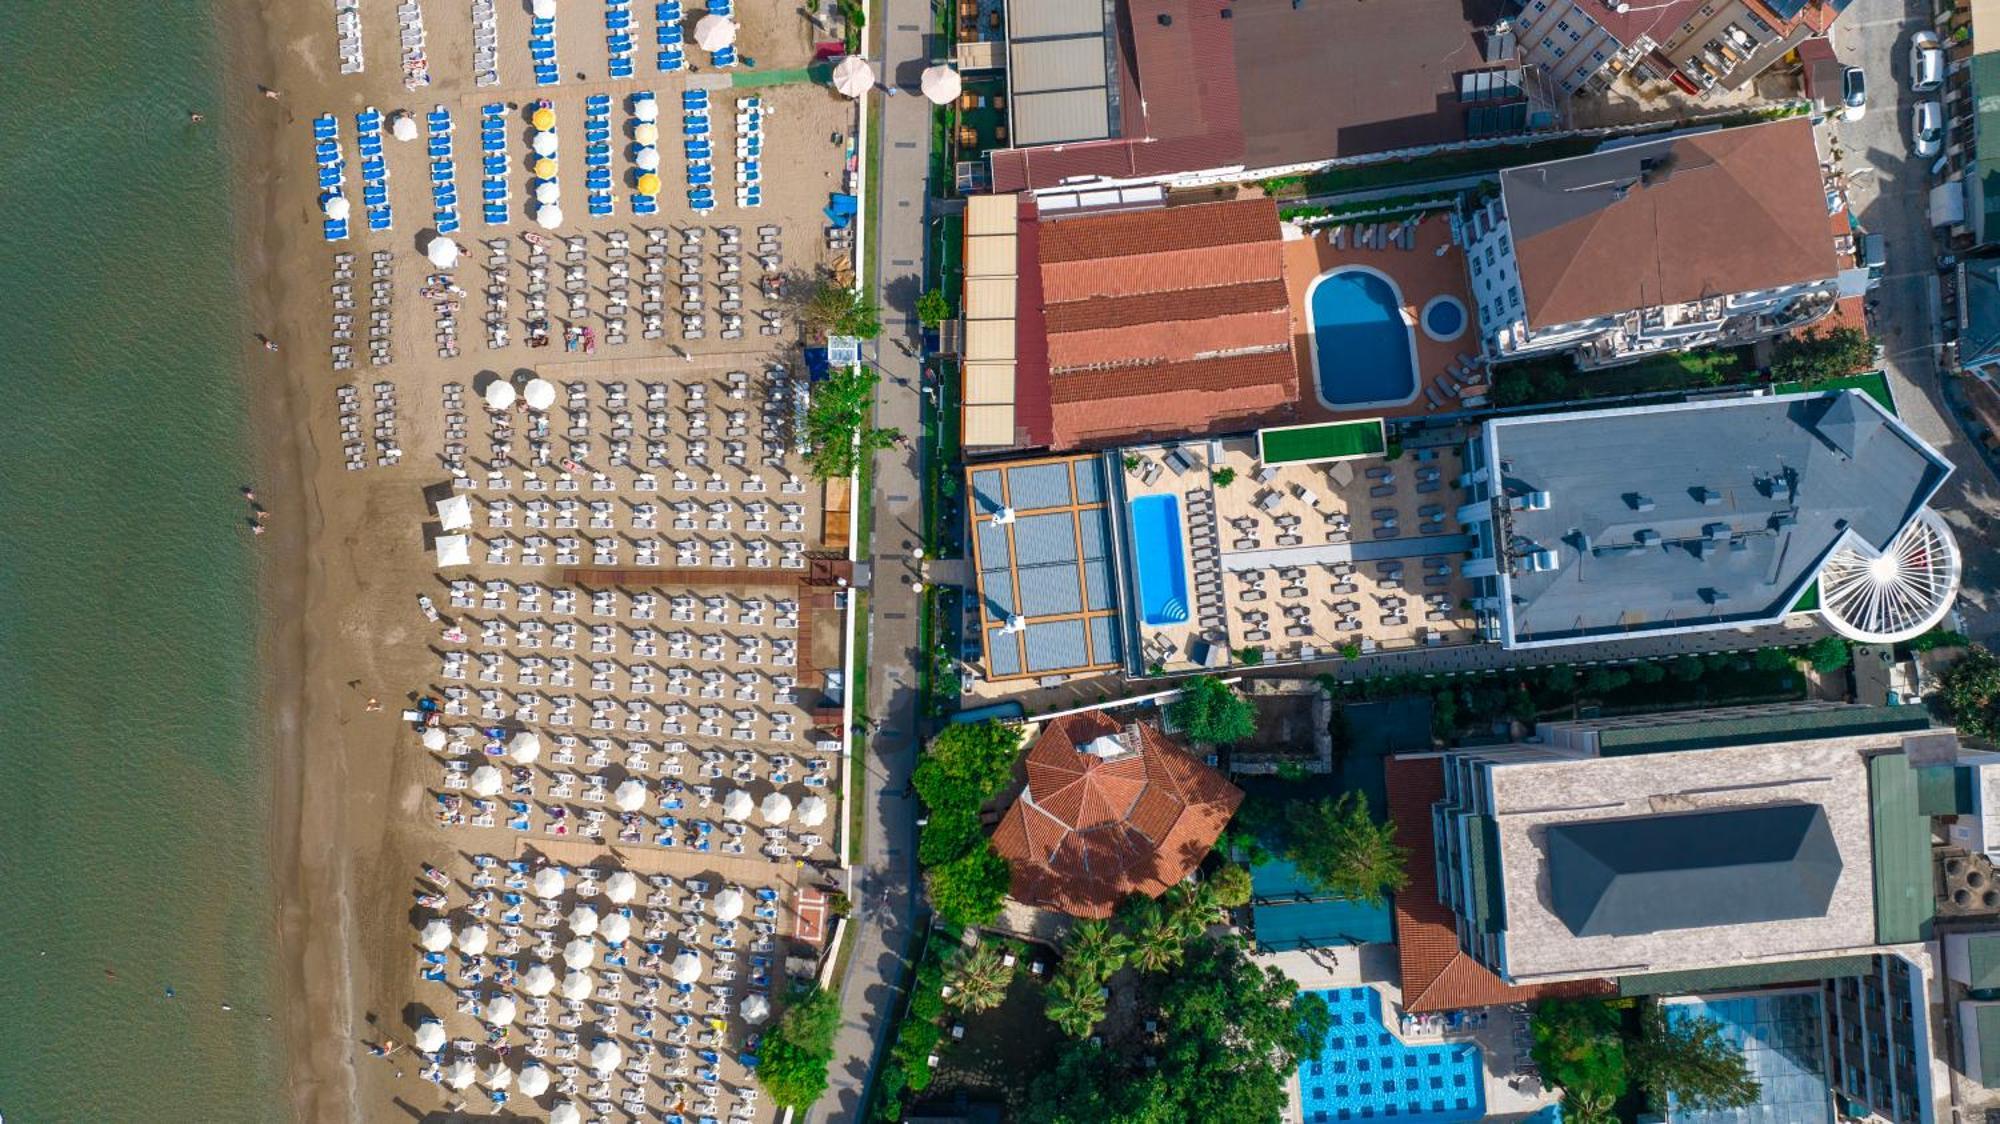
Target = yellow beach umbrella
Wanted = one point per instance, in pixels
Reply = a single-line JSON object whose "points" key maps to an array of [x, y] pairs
{"points": [[544, 118], [545, 168], [649, 184]]}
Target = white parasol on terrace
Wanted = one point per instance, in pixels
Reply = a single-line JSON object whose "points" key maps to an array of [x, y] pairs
{"points": [[434, 738], [728, 904], [737, 805], [544, 9], [540, 980], [646, 109], [430, 1036], [549, 882], [525, 747], [853, 76], [337, 207], [545, 143], [647, 133], [812, 811], [713, 32], [940, 84], [461, 1073], [455, 512], [621, 887], [547, 191], [617, 929], [577, 985], [499, 1076], [580, 953], [583, 920], [539, 394], [404, 127], [776, 809], [486, 781], [630, 796], [442, 251], [566, 1112], [501, 1011], [472, 939], [436, 936], [648, 159], [533, 1080], [687, 967], [453, 550], [756, 1008], [549, 216], [605, 1056], [500, 395]]}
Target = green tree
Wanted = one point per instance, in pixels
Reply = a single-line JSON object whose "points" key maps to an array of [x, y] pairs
{"points": [[1969, 692], [841, 311], [1687, 1063], [1209, 710], [799, 1048], [1589, 1107], [1156, 945], [1828, 654], [1095, 949], [1817, 354], [978, 978], [839, 428], [968, 890], [948, 832], [1232, 886], [1689, 669], [1191, 908], [1249, 655], [1578, 1049], [933, 307], [1075, 1000], [1337, 845], [1772, 659], [1223, 477], [962, 768]]}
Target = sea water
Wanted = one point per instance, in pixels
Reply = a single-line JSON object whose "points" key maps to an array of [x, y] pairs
{"points": [[132, 793]]}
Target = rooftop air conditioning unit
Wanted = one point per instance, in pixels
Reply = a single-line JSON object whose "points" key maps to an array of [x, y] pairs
{"points": [[1535, 501]]}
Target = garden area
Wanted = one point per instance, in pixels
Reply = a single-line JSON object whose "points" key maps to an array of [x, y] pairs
{"points": [[1816, 359]]}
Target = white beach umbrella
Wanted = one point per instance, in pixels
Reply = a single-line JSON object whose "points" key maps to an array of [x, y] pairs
{"points": [[580, 953], [549, 882], [545, 143], [812, 811], [404, 127], [577, 985], [645, 132], [524, 747], [500, 395], [756, 1008], [605, 1056], [545, 9], [646, 109], [777, 808], [539, 981], [453, 550], [940, 84], [434, 738], [461, 1073], [436, 936], [737, 805], [729, 904], [621, 887], [583, 921], [442, 251], [547, 191], [713, 32], [499, 1076], [472, 940], [501, 1011], [648, 159], [539, 394], [853, 76], [337, 207], [486, 781], [617, 929], [566, 1112], [533, 1080], [455, 512], [430, 1036], [549, 216], [630, 796], [687, 967]]}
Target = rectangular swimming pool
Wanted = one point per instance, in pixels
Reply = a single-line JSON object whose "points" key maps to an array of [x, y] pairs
{"points": [[1159, 559], [1363, 1072]]}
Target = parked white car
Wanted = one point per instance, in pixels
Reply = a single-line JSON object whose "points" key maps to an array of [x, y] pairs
{"points": [[1927, 129], [1853, 93], [1927, 62]]}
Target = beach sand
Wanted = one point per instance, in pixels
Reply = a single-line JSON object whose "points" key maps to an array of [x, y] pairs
{"points": [[344, 554]]}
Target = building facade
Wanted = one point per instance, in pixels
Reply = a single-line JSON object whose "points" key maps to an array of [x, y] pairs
{"points": [[1878, 1042], [1698, 45]]}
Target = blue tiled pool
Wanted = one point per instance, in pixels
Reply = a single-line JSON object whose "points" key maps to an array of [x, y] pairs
{"points": [[1363, 352], [1365, 1073], [1159, 559]]}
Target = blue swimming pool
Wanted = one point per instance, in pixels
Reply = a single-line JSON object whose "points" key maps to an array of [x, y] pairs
{"points": [[1363, 352], [1363, 1072], [1158, 558]]}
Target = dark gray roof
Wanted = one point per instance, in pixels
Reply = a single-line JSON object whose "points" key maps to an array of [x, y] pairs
{"points": [[1979, 336], [1694, 514], [1690, 870]]}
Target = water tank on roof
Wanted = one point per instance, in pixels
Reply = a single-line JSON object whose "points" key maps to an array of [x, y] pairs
{"points": [[1535, 501]]}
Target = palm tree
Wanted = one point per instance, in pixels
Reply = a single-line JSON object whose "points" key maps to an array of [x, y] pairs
{"points": [[1095, 949], [1075, 1002], [1588, 1106], [979, 978], [1191, 909], [1155, 945]]}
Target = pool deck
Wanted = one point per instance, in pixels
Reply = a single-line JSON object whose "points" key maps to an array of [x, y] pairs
{"points": [[1421, 273]]}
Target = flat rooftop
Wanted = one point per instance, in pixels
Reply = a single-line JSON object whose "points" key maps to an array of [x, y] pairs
{"points": [[1692, 515], [1043, 553]]}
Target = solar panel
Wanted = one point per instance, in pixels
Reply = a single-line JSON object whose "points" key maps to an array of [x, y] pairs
{"points": [[1039, 485], [1056, 646], [1003, 652], [1042, 539], [1048, 591]]}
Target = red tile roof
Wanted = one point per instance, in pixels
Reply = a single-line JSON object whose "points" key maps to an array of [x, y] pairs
{"points": [[1089, 830], [1437, 975]]}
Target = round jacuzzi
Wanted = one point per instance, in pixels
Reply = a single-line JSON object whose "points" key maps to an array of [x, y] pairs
{"points": [[1443, 318]]}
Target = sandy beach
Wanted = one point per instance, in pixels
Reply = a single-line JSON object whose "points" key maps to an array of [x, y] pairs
{"points": [[343, 557]]}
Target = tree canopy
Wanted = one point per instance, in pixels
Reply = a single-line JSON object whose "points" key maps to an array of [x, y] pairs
{"points": [[1336, 843], [1686, 1062], [978, 978], [839, 429], [932, 308], [967, 891], [1578, 1049], [1829, 654], [1231, 883], [798, 1049], [1209, 710], [1969, 692], [1075, 999], [966, 765], [1817, 354], [841, 311]]}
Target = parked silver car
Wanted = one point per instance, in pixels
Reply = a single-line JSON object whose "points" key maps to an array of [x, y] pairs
{"points": [[1927, 62], [1927, 129]]}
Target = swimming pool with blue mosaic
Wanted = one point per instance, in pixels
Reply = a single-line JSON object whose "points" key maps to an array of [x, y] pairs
{"points": [[1363, 1072]]}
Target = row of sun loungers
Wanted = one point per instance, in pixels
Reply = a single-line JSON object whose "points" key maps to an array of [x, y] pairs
{"points": [[542, 49], [410, 32], [727, 55], [485, 44], [444, 172], [618, 37], [374, 169], [750, 152], [494, 171], [347, 34], [700, 155], [597, 154], [332, 174], [672, 54]]}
